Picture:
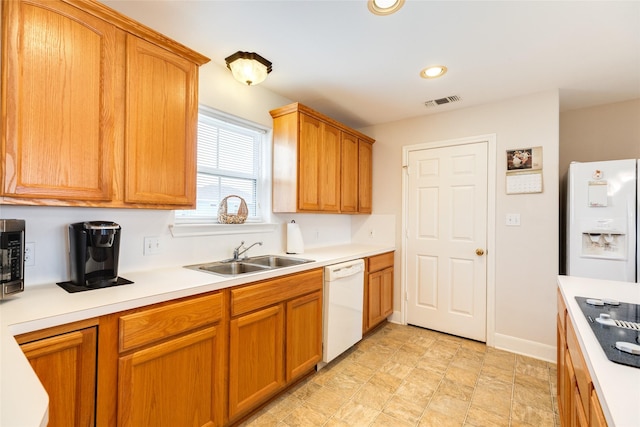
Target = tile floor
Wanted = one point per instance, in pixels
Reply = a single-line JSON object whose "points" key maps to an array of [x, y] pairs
{"points": [[408, 376]]}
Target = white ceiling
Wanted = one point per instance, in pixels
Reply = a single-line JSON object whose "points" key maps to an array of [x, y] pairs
{"points": [[362, 69]]}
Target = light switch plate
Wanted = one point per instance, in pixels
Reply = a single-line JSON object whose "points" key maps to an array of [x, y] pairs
{"points": [[513, 219], [29, 254], [152, 245]]}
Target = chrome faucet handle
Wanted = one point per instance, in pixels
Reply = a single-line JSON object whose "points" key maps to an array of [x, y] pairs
{"points": [[236, 251]]}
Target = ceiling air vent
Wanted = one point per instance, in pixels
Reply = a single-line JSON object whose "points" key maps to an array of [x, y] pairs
{"points": [[447, 100]]}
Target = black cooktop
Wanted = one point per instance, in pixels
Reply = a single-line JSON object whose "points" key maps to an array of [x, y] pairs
{"points": [[627, 316]]}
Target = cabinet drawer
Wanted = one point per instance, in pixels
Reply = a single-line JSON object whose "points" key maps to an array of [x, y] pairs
{"points": [[154, 324], [380, 262], [273, 291]]}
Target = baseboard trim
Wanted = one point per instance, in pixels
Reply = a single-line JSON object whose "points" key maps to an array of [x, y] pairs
{"points": [[396, 317], [525, 347], [508, 343]]}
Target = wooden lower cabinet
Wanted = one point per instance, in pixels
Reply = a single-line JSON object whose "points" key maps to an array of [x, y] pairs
{"points": [[564, 376], [380, 296], [579, 414], [206, 360], [578, 403], [378, 292], [275, 337], [171, 363], [171, 384], [66, 366], [596, 416], [256, 370], [304, 335]]}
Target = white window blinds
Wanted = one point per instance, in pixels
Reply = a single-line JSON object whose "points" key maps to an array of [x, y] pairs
{"points": [[228, 164]]}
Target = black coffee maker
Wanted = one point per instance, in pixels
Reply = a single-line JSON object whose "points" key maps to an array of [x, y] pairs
{"points": [[94, 247]]}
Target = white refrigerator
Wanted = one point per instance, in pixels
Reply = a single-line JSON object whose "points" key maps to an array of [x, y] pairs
{"points": [[602, 226]]}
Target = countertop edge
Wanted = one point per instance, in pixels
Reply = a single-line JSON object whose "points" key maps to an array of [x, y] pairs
{"points": [[23, 400]]}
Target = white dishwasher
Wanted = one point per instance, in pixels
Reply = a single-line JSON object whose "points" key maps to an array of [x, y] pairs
{"points": [[342, 312]]}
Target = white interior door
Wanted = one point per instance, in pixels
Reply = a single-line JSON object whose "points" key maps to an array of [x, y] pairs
{"points": [[446, 218]]}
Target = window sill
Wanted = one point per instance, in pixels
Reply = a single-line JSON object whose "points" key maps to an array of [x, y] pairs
{"points": [[190, 230]]}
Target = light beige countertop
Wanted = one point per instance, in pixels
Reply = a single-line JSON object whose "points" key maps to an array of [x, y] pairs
{"points": [[23, 401], [618, 386]]}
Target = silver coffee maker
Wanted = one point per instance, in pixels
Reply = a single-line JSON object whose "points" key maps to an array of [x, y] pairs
{"points": [[12, 232]]}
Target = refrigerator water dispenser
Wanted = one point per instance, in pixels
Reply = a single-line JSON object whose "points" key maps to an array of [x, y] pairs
{"points": [[604, 238], [604, 245]]}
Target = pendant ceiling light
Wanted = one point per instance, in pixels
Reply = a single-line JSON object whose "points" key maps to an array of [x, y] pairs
{"points": [[248, 67]]}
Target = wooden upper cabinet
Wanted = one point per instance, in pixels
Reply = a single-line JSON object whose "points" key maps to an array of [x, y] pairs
{"points": [[319, 159], [329, 169], [356, 174], [97, 109], [349, 174], [59, 84], [316, 163], [365, 176], [160, 144], [309, 160]]}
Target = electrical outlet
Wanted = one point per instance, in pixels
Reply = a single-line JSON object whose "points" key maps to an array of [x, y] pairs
{"points": [[152, 245], [29, 254]]}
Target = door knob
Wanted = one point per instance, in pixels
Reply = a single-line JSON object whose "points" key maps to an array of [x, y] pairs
{"points": [[479, 251]]}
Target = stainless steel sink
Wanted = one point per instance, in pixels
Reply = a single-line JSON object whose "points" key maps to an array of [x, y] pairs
{"points": [[231, 268], [248, 265], [275, 261]]}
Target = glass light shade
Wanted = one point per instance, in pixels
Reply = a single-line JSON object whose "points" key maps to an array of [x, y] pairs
{"points": [[248, 71], [248, 67]]}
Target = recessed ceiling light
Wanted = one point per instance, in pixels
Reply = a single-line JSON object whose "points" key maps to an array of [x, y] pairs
{"points": [[433, 72], [384, 7]]}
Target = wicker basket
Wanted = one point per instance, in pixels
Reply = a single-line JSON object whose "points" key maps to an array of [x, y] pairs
{"points": [[239, 218]]}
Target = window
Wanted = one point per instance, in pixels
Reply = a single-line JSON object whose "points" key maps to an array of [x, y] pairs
{"points": [[229, 163]]}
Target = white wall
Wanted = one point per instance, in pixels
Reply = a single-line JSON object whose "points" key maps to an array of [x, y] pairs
{"points": [[526, 257], [47, 226]]}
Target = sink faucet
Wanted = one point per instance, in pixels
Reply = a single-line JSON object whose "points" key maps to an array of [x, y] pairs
{"points": [[237, 252]]}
